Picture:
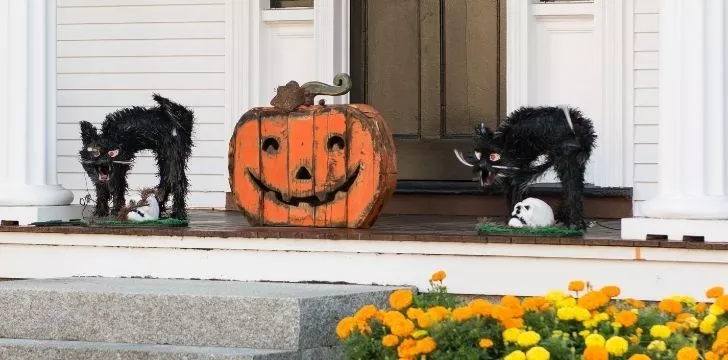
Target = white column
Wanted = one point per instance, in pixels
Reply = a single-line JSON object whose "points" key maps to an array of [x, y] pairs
{"points": [[331, 35], [27, 114], [693, 176]]}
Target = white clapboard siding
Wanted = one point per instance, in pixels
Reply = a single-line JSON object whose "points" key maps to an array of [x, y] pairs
{"points": [[115, 53], [646, 100]]}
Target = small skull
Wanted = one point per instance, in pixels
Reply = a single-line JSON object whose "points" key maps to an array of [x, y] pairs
{"points": [[531, 212]]}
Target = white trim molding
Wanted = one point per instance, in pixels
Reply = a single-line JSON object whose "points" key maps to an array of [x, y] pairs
{"points": [[331, 35], [243, 32], [608, 29]]}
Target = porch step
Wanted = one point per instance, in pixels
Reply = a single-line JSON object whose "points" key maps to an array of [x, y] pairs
{"points": [[82, 350], [256, 315]]}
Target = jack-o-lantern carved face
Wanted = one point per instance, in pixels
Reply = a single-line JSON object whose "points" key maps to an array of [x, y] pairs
{"points": [[329, 166]]}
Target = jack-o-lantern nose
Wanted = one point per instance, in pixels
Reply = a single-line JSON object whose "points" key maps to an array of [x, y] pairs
{"points": [[303, 174]]}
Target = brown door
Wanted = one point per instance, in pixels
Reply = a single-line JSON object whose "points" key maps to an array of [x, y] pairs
{"points": [[433, 69]]}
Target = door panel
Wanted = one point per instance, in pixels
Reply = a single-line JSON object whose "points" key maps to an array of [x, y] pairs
{"points": [[433, 69]]}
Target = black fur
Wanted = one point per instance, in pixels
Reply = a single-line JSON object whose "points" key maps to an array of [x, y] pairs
{"points": [[165, 129], [527, 134]]}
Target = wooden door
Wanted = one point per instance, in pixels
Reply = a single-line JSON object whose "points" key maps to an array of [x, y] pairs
{"points": [[433, 68]]}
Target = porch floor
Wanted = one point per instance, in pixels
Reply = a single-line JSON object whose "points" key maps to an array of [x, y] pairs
{"points": [[226, 224]]}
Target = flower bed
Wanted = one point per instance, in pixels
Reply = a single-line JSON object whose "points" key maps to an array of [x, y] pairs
{"points": [[583, 323]]}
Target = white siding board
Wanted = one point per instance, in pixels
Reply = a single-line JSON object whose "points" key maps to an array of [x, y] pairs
{"points": [[117, 3], [646, 6], [115, 53], [646, 41], [645, 173], [184, 81], [646, 97], [201, 30], [646, 60], [168, 47], [646, 79], [141, 14], [141, 65], [646, 134], [95, 114], [645, 153], [645, 115], [644, 191], [647, 23], [124, 98]]}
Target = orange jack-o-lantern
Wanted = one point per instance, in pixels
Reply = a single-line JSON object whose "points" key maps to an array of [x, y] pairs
{"points": [[324, 166]]}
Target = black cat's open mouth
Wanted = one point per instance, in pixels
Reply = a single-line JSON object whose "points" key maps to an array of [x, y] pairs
{"points": [[103, 172]]}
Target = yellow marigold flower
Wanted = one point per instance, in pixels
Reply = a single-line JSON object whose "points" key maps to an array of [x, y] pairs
{"points": [[538, 353], [390, 340], [400, 299], [437, 313], [583, 333], [511, 335], [660, 331], [593, 300], [438, 276], [716, 310], [616, 345], [462, 313], [426, 345], [554, 296], [407, 349], [403, 328], [688, 353], [670, 306], [626, 318], [611, 291], [568, 302], [345, 326], [594, 340], [657, 345], [366, 312], [485, 343], [481, 307], [576, 285], [581, 314], [722, 301], [510, 301], [596, 352], [516, 355], [414, 313], [706, 327], [565, 313], [528, 338], [714, 292], [710, 319], [639, 357]]}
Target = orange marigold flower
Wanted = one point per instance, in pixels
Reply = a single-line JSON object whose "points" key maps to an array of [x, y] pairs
{"points": [[462, 313], [403, 328], [501, 313], [711, 356], [510, 301], [683, 317], [535, 304], [688, 353], [426, 345], [714, 292], [390, 340], [639, 357], [722, 301], [485, 343], [596, 352], [345, 327], [673, 325], [593, 300], [637, 304], [438, 276], [400, 299], [513, 323], [626, 318], [390, 317], [424, 321], [407, 349], [701, 307], [720, 347], [634, 339], [670, 306], [414, 313], [722, 334], [437, 313], [611, 291], [366, 312], [481, 307], [576, 285]]}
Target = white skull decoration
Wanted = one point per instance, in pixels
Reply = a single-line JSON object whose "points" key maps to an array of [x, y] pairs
{"points": [[531, 212]]}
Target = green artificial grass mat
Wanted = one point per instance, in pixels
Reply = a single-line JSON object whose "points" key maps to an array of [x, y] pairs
{"points": [[490, 229], [162, 222]]}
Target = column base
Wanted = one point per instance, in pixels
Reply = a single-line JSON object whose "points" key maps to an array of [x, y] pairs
{"points": [[675, 229], [687, 207], [34, 195], [25, 215]]}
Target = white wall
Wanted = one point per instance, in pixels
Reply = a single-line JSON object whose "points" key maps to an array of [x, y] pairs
{"points": [[115, 53], [646, 87]]}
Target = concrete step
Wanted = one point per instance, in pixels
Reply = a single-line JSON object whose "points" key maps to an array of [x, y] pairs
{"points": [[81, 350], [256, 315]]}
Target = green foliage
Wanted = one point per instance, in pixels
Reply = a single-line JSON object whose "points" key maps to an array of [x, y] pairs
{"points": [[489, 229]]}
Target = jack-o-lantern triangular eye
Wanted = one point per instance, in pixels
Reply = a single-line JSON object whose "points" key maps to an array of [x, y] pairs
{"points": [[113, 153], [335, 143], [270, 145]]}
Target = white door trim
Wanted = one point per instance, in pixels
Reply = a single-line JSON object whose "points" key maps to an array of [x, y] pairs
{"points": [[614, 127], [331, 34]]}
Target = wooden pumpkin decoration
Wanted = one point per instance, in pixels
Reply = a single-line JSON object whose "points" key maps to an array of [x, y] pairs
{"points": [[300, 164]]}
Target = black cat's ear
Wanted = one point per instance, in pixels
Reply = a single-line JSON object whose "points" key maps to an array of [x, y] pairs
{"points": [[483, 131], [88, 132]]}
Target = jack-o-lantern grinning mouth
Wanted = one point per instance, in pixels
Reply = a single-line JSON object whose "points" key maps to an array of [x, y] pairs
{"points": [[311, 200]]}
